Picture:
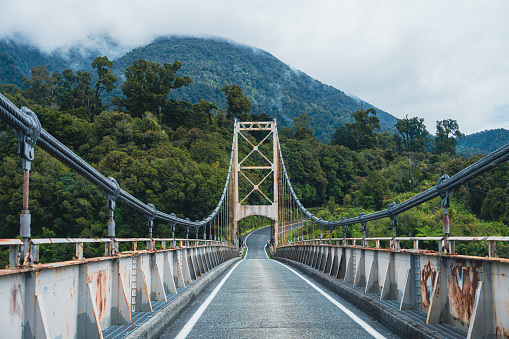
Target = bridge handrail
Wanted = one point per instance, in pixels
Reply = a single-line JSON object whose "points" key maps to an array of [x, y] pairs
{"points": [[44, 241], [483, 238], [20, 121], [445, 184], [395, 243]]}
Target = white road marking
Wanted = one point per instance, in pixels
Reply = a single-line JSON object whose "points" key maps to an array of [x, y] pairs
{"points": [[349, 313], [184, 332], [196, 316]]}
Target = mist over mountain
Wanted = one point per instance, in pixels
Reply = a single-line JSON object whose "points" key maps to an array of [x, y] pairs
{"points": [[272, 86]]}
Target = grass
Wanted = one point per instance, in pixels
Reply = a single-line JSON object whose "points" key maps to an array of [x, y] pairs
{"points": [[268, 252], [251, 229]]}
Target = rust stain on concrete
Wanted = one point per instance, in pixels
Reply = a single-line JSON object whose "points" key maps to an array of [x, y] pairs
{"points": [[428, 275], [463, 282], [14, 302]]}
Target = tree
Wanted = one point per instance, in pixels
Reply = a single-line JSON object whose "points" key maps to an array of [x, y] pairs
{"points": [[360, 134], [445, 139], [343, 137], [303, 129], [73, 91], [413, 133], [373, 191], [105, 81], [147, 86], [238, 104], [39, 87], [207, 107]]}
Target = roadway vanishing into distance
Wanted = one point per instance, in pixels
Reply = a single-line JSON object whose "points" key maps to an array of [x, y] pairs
{"points": [[262, 298]]}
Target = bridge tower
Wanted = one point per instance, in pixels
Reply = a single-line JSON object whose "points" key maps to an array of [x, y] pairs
{"points": [[241, 170]]}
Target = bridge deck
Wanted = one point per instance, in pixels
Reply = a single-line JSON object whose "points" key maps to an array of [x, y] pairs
{"points": [[139, 318], [441, 330], [262, 298]]}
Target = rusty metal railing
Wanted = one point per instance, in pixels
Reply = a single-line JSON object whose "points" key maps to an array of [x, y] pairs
{"points": [[395, 243], [150, 245]]}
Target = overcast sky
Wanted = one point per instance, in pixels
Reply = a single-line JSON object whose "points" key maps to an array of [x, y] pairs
{"points": [[432, 59]]}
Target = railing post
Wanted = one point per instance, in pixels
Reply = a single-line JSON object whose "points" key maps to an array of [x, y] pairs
{"points": [[492, 248], [111, 204], [26, 143], [150, 221], [445, 197], [172, 224], [345, 229], [188, 224], [79, 250], [13, 256], [330, 232], [394, 224], [364, 225], [35, 253]]}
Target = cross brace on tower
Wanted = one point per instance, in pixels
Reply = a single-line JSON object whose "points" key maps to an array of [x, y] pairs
{"points": [[270, 210]]}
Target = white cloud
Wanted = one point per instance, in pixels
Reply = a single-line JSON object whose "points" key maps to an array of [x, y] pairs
{"points": [[433, 59]]}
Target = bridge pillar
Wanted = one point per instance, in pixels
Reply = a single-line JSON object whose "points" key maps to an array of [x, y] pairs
{"points": [[270, 210]]}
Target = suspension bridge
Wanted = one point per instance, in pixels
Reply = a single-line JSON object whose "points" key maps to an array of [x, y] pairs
{"points": [[315, 287]]}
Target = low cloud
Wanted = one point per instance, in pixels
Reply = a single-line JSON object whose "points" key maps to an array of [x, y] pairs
{"points": [[434, 59]]}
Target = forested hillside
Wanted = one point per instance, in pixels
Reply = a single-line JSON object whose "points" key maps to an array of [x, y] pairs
{"points": [[485, 141], [272, 86]]}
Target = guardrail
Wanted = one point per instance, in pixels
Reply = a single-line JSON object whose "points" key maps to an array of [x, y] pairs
{"points": [[82, 297], [467, 292], [395, 243], [150, 245]]}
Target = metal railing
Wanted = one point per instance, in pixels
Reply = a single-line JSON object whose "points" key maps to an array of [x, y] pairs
{"points": [[442, 189], [395, 243], [29, 131]]}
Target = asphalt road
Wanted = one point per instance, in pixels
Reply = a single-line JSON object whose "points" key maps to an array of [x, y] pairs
{"points": [[262, 298]]}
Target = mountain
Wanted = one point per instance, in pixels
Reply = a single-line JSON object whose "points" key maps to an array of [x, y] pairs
{"points": [[483, 142], [272, 86], [25, 56]]}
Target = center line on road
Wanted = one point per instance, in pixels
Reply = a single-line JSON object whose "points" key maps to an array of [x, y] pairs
{"points": [[349, 313]]}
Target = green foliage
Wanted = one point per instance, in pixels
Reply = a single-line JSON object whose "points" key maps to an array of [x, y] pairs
{"points": [[373, 191], [39, 86], [303, 129], [147, 86], [485, 141], [9, 74], [360, 134], [445, 139], [73, 91], [238, 104], [105, 81], [413, 133]]}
